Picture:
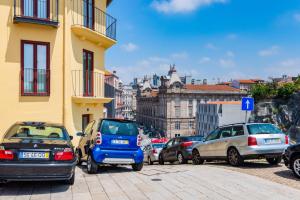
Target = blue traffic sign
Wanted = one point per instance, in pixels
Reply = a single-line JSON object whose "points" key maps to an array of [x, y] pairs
{"points": [[247, 103]]}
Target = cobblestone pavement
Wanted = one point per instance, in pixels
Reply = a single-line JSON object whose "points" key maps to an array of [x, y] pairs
{"points": [[279, 174], [210, 181]]}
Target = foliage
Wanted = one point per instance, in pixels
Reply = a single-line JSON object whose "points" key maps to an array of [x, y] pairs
{"points": [[286, 90], [263, 91]]}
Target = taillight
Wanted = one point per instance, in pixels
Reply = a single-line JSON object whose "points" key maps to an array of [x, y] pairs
{"points": [[139, 140], [99, 138], [154, 151], [286, 139], [6, 155], [186, 144], [65, 155], [252, 141]]}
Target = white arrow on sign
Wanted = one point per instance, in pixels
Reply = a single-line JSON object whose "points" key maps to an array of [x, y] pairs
{"points": [[247, 104]]}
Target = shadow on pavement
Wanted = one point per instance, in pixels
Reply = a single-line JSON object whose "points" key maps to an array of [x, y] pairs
{"points": [[288, 174], [246, 165], [108, 169]]}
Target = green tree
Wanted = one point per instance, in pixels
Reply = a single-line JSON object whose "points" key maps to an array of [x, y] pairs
{"points": [[263, 91], [286, 90]]}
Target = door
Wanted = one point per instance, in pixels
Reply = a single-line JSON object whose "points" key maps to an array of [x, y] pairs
{"points": [[88, 13], [208, 148], [85, 121], [88, 73], [84, 143], [166, 151], [174, 148], [226, 138]]}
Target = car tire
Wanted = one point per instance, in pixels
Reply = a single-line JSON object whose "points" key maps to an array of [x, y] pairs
{"points": [[78, 157], [161, 160], [138, 166], [92, 166], [196, 158], [150, 162], [274, 160], [234, 158], [71, 181], [295, 165], [181, 159]]}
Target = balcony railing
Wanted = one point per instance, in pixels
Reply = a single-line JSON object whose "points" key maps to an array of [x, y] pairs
{"points": [[85, 14], [87, 84], [35, 82], [43, 12]]}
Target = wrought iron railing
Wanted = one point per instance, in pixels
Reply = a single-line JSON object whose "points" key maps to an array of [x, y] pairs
{"points": [[87, 83], [87, 15], [35, 82], [36, 11]]}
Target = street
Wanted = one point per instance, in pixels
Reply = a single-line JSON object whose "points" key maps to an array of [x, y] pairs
{"points": [[210, 181]]}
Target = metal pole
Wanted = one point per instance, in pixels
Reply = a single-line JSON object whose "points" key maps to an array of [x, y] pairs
{"points": [[246, 116]]}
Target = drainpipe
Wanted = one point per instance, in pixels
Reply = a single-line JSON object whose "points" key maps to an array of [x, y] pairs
{"points": [[64, 59]]}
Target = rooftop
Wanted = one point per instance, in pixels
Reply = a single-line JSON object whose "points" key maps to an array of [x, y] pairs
{"points": [[212, 88]]}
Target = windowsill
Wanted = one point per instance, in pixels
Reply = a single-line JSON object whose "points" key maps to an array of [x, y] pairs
{"points": [[40, 21]]}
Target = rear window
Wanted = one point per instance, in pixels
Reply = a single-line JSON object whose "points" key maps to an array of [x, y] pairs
{"points": [[158, 145], [110, 127], [256, 129], [195, 138], [36, 132]]}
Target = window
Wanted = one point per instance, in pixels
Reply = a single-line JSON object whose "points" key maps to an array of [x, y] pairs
{"points": [[237, 130], [170, 143], [177, 125], [35, 8], [177, 107], [213, 135], [88, 73], [35, 75], [226, 132], [190, 108], [191, 124], [88, 13]]}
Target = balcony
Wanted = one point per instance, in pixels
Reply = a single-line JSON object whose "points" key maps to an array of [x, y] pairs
{"points": [[35, 82], [88, 87], [91, 23], [43, 12]]}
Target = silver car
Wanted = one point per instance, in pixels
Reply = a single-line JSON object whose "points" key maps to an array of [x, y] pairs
{"points": [[238, 142], [151, 152]]}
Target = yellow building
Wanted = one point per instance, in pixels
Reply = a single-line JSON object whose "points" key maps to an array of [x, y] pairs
{"points": [[52, 61]]}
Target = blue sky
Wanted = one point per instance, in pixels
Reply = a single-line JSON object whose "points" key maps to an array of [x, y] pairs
{"points": [[213, 39]]}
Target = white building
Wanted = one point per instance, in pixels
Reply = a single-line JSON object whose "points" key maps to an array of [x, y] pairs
{"points": [[213, 114]]}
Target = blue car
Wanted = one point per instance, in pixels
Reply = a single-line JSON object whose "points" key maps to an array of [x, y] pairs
{"points": [[110, 141]]}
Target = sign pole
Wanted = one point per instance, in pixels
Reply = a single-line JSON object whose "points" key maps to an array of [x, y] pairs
{"points": [[246, 116]]}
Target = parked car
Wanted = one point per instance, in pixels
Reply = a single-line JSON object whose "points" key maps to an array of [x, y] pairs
{"points": [[294, 132], [238, 142], [151, 152], [178, 149], [110, 141], [36, 151], [292, 158]]}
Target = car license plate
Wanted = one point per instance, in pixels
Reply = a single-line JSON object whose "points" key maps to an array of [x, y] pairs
{"points": [[273, 141], [120, 142], [34, 155]]}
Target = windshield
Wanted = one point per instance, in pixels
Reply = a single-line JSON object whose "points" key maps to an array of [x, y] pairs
{"points": [[158, 145], [37, 132], [255, 129], [111, 127]]}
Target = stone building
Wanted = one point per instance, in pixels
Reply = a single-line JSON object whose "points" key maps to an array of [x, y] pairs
{"points": [[172, 107], [127, 97]]}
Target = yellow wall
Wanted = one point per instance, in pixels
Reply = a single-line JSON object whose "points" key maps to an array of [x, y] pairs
{"points": [[65, 55]]}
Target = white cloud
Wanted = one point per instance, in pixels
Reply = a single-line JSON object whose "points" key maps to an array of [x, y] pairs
{"points": [[129, 47], [182, 6], [289, 67], [227, 63], [204, 60], [232, 36], [211, 46], [269, 52], [230, 54], [297, 17], [181, 55]]}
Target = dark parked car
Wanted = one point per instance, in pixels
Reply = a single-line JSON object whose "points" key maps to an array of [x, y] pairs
{"points": [[110, 141], [292, 158], [294, 132], [178, 149], [36, 151]]}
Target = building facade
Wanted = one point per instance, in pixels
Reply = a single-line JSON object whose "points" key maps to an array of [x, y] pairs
{"points": [[172, 108], [127, 110], [112, 91], [52, 61]]}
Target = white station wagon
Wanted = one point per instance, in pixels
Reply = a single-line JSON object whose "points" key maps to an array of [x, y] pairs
{"points": [[238, 142]]}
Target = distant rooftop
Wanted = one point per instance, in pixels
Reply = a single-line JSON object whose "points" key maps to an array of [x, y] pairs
{"points": [[212, 88]]}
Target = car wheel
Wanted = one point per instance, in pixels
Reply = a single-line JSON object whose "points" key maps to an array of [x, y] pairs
{"points": [[161, 160], [197, 160], [181, 159], [295, 164], [71, 181], [234, 158], [138, 166], [92, 166], [274, 160], [78, 156], [150, 161]]}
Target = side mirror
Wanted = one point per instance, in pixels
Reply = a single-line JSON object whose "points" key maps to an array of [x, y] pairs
{"points": [[79, 134], [71, 137]]}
